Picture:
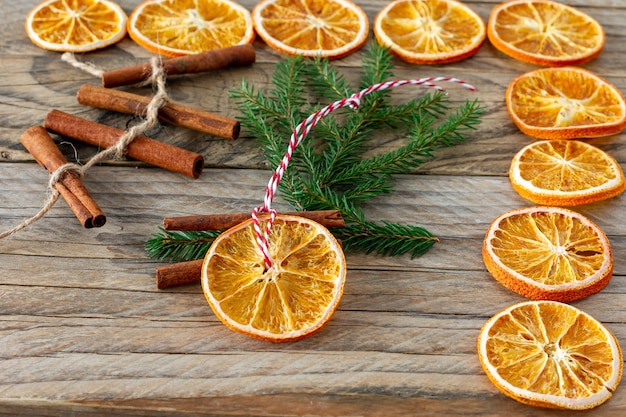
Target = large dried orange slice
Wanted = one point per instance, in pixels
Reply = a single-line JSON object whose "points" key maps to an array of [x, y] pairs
{"points": [[565, 103], [548, 253], [565, 173], [545, 32], [325, 28], [429, 31], [550, 354], [289, 301], [76, 25], [176, 28]]}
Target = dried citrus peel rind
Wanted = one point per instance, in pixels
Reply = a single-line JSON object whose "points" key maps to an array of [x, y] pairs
{"points": [[294, 298], [76, 26], [177, 28], [545, 32], [565, 173], [431, 31], [565, 103], [550, 354], [548, 253], [313, 28]]}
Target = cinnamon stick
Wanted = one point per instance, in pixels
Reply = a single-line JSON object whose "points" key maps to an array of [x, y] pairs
{"points": [[124, 102], [328, 218], [202, 62], [141, 148], [180, 273], [39, 143]]}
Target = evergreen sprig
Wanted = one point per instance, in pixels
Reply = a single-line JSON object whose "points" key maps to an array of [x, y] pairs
{"points": [[180, 245], [328, 170]]}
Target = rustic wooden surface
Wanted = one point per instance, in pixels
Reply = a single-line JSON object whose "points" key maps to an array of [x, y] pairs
{"points": [[84, 331]]}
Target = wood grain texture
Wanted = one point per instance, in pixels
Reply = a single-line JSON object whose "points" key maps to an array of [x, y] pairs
{"points": [[84, 331]]}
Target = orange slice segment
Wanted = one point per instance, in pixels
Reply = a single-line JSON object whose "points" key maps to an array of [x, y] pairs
{"points": [[548, 253], [429, 31], [565, 103], [565, 173], [176, 28], [294, 298], [544, 32], [325, 28], [76, 25], [550, 354]]}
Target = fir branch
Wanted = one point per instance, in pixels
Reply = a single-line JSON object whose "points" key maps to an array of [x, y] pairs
{"points": [[390, 239], [369, 187], [425, 140], [179, 246], [344, 144], [289, 92], [256, 106], [328, 170], [377, 65], [269, 116], [326, 81], [350, 141]]}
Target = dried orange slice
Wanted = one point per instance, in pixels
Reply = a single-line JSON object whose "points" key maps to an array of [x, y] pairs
{"points": [[76, 25], [294, 298], [548, 253], [429, 31], [544, 32], [550, 354], [325, 28], [176, 28], [565, 103], [565, 173]]}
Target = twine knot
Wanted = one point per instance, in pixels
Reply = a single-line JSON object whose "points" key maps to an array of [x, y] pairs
{"points": [[354, 101], [62, 170]]}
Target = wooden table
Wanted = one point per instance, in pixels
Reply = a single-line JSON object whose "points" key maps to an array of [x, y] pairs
{"points": [[84, 330]]}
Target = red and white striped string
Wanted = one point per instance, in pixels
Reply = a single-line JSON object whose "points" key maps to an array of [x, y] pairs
{"points": [[262, 236]]}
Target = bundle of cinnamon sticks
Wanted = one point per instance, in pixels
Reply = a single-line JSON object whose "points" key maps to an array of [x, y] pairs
{"points": [[70, 185], [39, 143]]}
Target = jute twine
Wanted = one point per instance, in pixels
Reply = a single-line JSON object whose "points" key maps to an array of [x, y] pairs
{"points": [[160, 98]]}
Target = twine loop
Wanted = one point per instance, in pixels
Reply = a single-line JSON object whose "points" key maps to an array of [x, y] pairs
{"points": [[353, 102], [62, 170], [88, 67]]}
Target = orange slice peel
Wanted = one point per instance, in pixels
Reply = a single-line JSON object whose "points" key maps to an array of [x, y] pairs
{"points": [[550, 354], [545, 32], [76, 25], [548, 253], [429, 31], [565, 103], [175, 28], [312, 28], [294, 298], [565, 173]]}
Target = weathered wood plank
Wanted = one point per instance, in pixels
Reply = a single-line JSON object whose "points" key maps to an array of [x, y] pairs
{"points": [[84, 330], [35, 83], [82, 321]]}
